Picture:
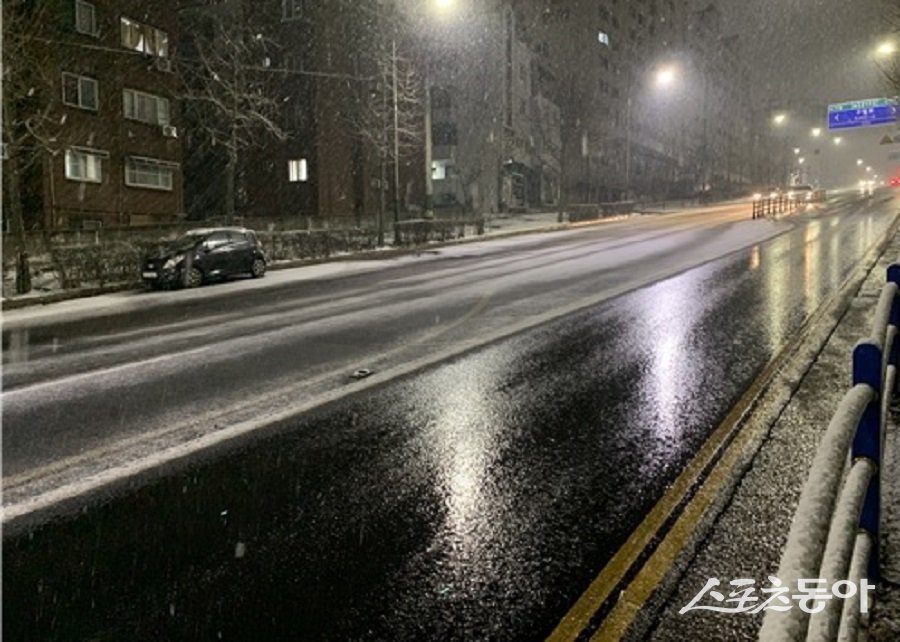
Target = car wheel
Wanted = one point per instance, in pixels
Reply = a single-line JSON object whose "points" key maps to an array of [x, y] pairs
{"points": [[258, 269], [194, 278]]}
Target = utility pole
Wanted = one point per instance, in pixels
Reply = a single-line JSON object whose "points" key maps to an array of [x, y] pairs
{"points": [[396, 143], [429, 149], [628, 143]]}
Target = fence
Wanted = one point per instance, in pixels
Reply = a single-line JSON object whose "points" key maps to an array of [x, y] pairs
{"points": [[74, 259], [789, 203], [835, 532]]}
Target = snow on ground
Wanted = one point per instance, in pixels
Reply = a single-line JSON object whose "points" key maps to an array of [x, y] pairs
{"points": [[747, 538], [734, 237]]}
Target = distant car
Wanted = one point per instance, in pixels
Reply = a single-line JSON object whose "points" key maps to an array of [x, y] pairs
{"points": [[203, 255], [802, 192]]}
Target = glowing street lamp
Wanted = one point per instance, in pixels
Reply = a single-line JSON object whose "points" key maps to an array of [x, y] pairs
{"points": [[801, 160], [859, 162], [780, 119], [838, 140], [796, 151], [816, 132], [665, 77], [886, 49]]}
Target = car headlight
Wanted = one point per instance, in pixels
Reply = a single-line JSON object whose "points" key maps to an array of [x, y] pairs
{"points": [[171, 263]]}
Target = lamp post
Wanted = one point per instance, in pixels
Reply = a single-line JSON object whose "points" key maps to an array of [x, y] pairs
{"points": [[664, 77], [442, 5]]}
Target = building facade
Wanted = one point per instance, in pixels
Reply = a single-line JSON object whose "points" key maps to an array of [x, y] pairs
{"points": [[496, 130], [108, 151]]}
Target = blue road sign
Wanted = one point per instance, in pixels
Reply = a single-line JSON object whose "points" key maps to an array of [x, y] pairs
{"points": [[862, 113]]}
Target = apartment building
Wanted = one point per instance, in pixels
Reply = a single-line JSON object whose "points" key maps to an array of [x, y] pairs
{"points": [[109, 152], [625, 133], [496, 130]]}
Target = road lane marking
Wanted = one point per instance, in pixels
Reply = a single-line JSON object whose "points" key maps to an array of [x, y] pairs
{"points": [[122, 445], [92, 482], [649, 576], [75, 379]]}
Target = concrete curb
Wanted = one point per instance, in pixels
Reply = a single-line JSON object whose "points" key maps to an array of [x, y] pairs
{"points": [[369, 255]]}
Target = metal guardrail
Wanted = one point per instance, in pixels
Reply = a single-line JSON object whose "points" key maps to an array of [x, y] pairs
{"points": [[835, 531], [789, 203]]}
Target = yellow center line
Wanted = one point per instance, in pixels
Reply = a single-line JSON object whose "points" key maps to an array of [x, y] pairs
{"points": [[648, 578], [614, 572]]}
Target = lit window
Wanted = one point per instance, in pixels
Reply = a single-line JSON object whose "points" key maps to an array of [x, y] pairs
{"points": [[144, 38], [146, 108], [441, 169], [85, 18], [298, 171], [79, 91], [84, 165], [149, 173], [603, 38]]}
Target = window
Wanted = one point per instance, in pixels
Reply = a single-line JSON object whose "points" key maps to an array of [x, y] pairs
{"points": [[441, 169], [291, 9], [217, 239], [84, 165], [444, 134], [149, 173], [146, 108], [298, 171], [79, 91], [144, 38], [85, 18]]}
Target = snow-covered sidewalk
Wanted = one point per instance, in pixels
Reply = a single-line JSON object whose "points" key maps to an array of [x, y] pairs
{"points": [[746, 538], [496, 226]]}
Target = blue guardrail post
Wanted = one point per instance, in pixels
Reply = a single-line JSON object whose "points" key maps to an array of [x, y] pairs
{"points": [[867, 442], [893, 276]]}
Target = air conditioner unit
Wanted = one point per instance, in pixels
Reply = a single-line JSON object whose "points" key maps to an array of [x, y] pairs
{"points": [[164, 64], [170, 131]]}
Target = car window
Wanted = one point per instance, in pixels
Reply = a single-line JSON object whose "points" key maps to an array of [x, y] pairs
{"points": [[237, 237], [217, 239]]}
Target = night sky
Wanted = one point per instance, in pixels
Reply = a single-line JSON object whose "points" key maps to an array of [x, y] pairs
{"points": [[808, 53], [820, 49]]}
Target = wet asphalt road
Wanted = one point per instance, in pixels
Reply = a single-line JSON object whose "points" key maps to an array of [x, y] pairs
{"points": [[475, 499]]}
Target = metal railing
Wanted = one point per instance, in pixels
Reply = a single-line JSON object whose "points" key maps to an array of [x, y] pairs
{"points": [[788, 203], [834, 535]]}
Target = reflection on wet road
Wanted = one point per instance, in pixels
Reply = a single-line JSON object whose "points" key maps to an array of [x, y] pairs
{"points": [[474, 500]]}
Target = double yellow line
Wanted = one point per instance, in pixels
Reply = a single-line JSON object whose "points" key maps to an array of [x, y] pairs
{"points": [[731, 438]]}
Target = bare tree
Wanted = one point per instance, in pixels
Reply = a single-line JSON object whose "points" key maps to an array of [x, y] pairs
{"points": [[388, 117], [30, 120], [229, 93]]}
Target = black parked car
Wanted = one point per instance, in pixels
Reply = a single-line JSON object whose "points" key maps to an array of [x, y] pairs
{"points": [[203, 255]]}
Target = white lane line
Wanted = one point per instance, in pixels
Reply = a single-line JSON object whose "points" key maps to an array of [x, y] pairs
{"points": [[96, 481], [83, 377]]}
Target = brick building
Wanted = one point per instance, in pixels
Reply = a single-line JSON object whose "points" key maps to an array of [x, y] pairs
{"points": [[109, 152]]}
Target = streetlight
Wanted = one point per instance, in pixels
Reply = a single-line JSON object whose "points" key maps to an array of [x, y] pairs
{"points": [[838, 140], [443, 6], [816, 132], [886, 49], [801, 160], [663, 78], [780, 119], [859, 162], [796, 151]]}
